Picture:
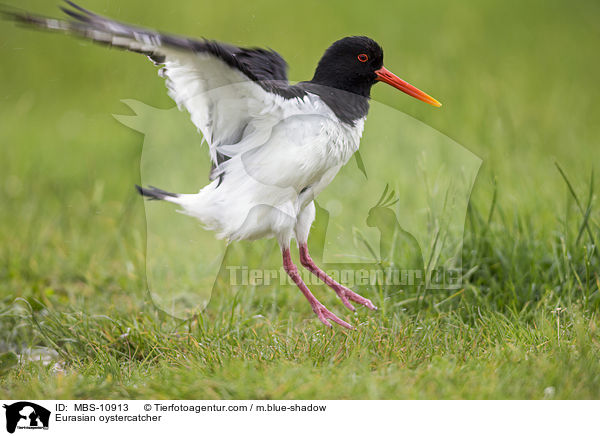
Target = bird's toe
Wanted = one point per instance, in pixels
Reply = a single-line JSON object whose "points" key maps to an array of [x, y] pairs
{"points": [[325, 315]]}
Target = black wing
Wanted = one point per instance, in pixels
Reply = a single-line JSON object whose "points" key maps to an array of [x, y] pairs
{"points": [[222, 86]]}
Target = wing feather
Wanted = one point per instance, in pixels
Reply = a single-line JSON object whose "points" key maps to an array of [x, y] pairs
{"points": [[222, 86]]}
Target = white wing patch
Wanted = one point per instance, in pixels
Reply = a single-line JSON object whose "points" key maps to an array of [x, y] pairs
{"points": [[202, 76], [221, 100]]}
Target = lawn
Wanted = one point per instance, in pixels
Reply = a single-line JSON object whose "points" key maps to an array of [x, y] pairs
{"points": [[519, 85]]}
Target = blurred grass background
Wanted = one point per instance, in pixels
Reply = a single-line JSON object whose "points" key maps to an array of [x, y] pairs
{"points": [[519, 83]]}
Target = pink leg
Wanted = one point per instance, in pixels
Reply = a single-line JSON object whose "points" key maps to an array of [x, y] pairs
{"points": [[316, 305], [343, 292]]}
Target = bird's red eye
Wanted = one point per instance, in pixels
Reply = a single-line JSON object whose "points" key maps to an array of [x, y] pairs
{"points": [[363, 57]]}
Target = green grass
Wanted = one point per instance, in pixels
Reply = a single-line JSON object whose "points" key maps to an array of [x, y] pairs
{"points": [[524, 326], [519, 87]]}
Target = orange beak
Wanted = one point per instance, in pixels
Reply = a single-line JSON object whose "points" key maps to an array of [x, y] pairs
{"points": [[383, 75]]}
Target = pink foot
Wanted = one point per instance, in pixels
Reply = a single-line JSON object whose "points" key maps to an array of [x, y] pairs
{"points": [[322, 312], [345, 294]]}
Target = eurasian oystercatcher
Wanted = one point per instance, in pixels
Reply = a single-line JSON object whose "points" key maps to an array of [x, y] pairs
{"points": [[274, 146]]}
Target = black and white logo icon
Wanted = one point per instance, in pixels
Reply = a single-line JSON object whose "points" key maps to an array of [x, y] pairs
{"points": [[26, 415]]}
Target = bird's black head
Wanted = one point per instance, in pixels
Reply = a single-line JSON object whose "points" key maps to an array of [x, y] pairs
{"points": [[350, 64], [354, 64]]}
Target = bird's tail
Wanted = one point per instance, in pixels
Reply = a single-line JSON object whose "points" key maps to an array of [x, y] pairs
{"points": [[154, 193]]}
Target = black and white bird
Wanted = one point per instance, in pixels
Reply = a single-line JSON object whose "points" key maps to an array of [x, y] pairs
{"points": [[274, 146]]}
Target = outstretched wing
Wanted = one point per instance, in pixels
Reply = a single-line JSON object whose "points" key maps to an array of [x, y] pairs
{"points": [[222, 86]]}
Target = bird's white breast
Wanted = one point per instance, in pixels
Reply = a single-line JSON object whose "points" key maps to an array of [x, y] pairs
{"points": [[321, 138], [285, 159]]}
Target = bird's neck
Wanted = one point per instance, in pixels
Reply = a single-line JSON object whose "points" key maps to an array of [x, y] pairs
{"points": [[341, 80], [347, 105]]}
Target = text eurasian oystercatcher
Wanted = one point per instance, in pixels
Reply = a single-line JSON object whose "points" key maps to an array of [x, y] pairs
{"points": [[274, 146]]}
